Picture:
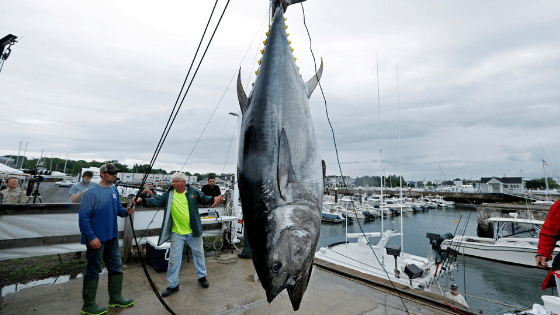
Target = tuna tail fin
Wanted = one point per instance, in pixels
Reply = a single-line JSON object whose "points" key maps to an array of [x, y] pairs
{"points": [[312, 83], [241, 96], [285, 3]]}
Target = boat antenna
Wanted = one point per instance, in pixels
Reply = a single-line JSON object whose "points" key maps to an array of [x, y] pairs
{"points": [[380, 153], [400, 165]]}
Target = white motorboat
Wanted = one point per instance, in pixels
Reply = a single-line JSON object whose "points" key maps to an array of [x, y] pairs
{"points": [[515, 241], [443, 203], [385, 261], [333, 213]]}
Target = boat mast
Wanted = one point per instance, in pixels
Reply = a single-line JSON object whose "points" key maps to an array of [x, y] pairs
{"points": [[545, 180], [18, 152], [400, 166], [65, 164], [23, 156], [380, 152]]}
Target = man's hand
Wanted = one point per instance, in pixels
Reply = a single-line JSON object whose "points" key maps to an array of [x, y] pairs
{"points": [[136, 201], [130, 210], [217, 199], [541, 261], [95, 244]]}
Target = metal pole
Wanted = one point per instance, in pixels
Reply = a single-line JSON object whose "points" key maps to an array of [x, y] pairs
{"points": [[545, 181]]}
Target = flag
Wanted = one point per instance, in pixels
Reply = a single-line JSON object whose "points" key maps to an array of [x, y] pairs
{"points": [[543, 161]]}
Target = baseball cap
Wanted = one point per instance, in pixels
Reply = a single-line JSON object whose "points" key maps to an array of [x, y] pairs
{"points": [[454, 286], [109, 168]]}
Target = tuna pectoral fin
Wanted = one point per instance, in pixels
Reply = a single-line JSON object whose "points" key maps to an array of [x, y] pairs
{"points": [[241, 96], [312, 83], [286, 172], [296, 292]]}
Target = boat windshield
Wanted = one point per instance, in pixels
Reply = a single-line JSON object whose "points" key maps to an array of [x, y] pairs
{"points": [[518, 230]]}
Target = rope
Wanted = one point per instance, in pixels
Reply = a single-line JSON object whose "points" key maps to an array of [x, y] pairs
{"points": [[455, 308], [169, 120], [164, 137], [337, 158], [220, 101]]}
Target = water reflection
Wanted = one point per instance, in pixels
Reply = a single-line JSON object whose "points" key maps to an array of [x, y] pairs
{"points": [[53, 280]]}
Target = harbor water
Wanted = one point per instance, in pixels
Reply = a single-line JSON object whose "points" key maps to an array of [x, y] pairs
{"points": [[517, 287]]}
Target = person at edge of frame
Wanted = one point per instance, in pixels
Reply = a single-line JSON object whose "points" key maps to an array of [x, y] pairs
{"points": [[549, 235], [98, 224], [13, 194], [181, 223], [76, 193]]}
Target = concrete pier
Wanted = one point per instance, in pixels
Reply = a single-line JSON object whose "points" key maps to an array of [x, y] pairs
{"points": [[233, 290]]}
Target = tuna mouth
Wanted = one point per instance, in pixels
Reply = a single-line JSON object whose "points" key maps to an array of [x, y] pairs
{"points": [[290, 282]]}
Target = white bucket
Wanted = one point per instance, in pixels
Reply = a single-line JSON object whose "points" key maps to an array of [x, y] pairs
{"points": [[551, 304]]}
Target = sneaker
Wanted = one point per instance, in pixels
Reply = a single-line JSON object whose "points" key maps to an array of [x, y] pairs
{"points": [[203, 282], [169, 291]]}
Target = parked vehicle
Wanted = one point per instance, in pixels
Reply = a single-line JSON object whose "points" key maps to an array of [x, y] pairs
{"points": [[66, 183]]}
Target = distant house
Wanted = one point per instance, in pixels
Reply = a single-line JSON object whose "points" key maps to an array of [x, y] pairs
{"points": [[491, 185]]}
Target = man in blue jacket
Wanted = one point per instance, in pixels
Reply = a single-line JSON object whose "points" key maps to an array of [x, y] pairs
{"points": [[100, 207], [181, 223]]}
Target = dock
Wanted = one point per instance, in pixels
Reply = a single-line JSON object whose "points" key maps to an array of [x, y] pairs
{"points": [[233, 290]]}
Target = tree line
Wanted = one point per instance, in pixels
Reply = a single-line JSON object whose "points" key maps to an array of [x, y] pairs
{"points": [[73, 167]]}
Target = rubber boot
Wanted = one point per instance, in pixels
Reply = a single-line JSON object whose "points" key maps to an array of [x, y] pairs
{"points": [[89, 292], [115, 289]]}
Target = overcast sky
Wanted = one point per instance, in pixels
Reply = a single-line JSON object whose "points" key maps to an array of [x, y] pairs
{"points": [[478, 82]]}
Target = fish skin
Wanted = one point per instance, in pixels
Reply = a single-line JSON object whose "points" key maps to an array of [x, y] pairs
{"points": [[279, 170]]}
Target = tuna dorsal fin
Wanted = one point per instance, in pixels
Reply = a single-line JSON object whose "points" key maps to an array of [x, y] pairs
{"points": [[241, 96], [285, 169], [312, 83]]}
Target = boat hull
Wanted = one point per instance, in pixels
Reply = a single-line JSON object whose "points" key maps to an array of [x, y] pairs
{"points": [[503, 251]]}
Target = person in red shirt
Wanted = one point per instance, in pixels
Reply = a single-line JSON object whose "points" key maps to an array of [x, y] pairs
{"points": [[549, 235]]}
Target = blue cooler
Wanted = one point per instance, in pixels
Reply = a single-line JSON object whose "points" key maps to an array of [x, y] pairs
{"points": [[158, 255]]}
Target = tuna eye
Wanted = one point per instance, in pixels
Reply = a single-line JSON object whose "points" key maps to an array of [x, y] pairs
{"points": [[276, 267]]}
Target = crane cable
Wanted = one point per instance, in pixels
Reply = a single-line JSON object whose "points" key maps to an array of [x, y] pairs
{"points": [[168, 126]]}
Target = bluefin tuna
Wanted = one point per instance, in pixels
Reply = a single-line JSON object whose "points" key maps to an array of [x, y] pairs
{"points": [[279, 168]]}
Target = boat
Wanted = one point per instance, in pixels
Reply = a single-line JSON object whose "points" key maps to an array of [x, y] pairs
{"points": [[515, 241], [443, 203], [386, 261], [333, 213]]}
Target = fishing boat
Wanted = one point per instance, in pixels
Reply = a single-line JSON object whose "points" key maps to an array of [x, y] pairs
{"points": [[386, 261], [515, 241]]}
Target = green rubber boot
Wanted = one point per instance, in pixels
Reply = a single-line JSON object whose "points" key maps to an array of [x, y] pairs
{"points": [[88, 293], [115, 289]]}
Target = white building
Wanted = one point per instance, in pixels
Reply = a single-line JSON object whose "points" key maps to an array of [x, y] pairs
{"points": [[502, 185]]}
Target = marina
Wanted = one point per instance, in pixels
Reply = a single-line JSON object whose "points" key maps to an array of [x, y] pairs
{"points": [[490, 283], [281, 234], [493, 287]]}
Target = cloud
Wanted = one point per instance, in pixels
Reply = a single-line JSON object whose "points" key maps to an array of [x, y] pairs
{"points": [[477, 83]]}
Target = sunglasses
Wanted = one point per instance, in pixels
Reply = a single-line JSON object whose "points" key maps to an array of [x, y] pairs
{"points": [[111, 173]]}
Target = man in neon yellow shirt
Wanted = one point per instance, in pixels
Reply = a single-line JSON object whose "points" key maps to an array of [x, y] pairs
{"points": [[181, 223]]}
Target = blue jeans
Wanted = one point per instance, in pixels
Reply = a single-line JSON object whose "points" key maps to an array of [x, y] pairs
{"points": [[176, 257], [109, 253]]}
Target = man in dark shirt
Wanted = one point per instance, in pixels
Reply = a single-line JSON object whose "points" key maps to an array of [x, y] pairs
{"points": [[211, 189]]}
